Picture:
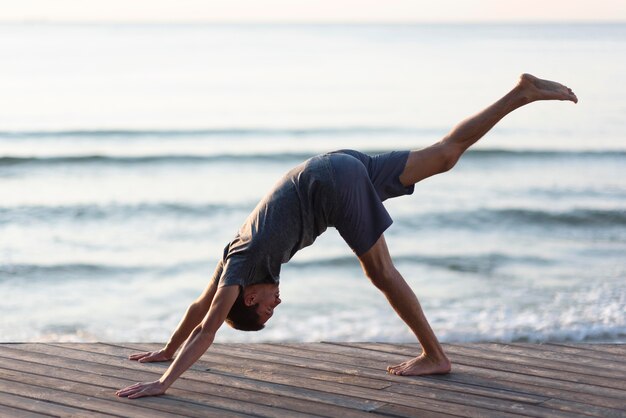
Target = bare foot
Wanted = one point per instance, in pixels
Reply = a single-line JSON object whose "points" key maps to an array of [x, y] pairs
{"points": [[534, 88], [421, 365]]}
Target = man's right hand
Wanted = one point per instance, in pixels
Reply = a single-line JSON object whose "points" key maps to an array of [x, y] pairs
{"points": [[150, 356]]}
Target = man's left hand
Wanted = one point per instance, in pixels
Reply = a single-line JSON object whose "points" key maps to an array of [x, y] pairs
{"points": [[139, 390]]}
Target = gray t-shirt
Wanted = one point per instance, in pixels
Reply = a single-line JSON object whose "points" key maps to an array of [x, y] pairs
{"points": [[344, 189]]}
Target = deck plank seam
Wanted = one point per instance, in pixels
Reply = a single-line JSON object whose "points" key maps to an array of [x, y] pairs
{"points": [[460, 390], [306, 368], [366, 409], [180, 400], [532, 375], [55, 390], [551, 404], [32, 405], [427, 399], [528, 358], [607, 385], [27, 410], [591, 347], [537, 385], [159, 407], [511, 406], [483, 386], [536, 358], [393, 415], [372, 407], [586, 355], [466, 385]]}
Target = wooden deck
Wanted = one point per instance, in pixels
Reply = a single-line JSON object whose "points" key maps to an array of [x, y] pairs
{"points": [[323, 379]]}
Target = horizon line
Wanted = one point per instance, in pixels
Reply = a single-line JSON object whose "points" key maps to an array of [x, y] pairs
{"points": [[315, 22]]}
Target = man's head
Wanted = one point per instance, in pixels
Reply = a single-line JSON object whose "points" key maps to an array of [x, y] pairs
{"points": [[254, 307]]}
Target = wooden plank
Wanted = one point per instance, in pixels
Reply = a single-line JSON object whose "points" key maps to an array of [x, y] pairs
{"points": [[335, 359], [46, 408], [242, 382], [17, 383], [460, 390], [195, 408], [549, 408], [618, 349], [450, 394], [617, 368], [495, 361], [418, 399], [474, 358], [580, 409], [407, 412], [566, 371], [7, 411], [282, 358], [373, 395], [468, 374], [576, 351], [297, 368], [229, 388], [223, 381], [327, 379], [334, 364], [159, 405], [422, 394], [252, 361], [473, 374]]}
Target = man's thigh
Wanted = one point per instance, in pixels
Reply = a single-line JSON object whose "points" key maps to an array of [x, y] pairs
{"points": [[427, 162]]}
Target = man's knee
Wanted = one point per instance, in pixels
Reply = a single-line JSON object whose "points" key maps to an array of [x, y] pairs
{"points": [[382, 277]]}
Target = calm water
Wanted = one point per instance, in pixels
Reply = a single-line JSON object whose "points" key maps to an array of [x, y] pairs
{"points": [[129, 156]]}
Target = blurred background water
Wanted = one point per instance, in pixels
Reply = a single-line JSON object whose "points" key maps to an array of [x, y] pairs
{"points": [[131, 154]]}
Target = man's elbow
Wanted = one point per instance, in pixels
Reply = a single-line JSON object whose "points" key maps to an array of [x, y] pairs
{"points": [[204, 333]]}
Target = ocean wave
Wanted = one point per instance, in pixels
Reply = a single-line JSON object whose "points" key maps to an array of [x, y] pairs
{"points": [[478, 263], [56, 271], [116, 211], [484, 264], [151, 159], [228, 132], [298, 156], [470, 219], [579, 217], [90, 271]]}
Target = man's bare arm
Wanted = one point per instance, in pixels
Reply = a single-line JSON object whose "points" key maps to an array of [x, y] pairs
{"points": [[198, 342], [194, 314]]}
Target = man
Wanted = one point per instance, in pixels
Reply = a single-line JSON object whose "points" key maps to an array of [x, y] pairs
{"points": [[344, 189]]}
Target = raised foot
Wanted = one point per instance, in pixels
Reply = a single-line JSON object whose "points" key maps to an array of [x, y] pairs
{"points": [[534, 88], [420, 366]]}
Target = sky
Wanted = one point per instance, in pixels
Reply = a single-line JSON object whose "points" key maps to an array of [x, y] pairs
{"points": [[322, 11]]}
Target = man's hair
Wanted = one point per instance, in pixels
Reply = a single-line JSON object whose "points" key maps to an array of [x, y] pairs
{"points": [[242, 317]]}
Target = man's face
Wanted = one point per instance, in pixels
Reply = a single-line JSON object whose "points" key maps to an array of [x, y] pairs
{"points": [[268, 298]]}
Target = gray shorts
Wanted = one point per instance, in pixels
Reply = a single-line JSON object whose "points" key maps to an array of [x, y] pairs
{"points": [[362, 183]]}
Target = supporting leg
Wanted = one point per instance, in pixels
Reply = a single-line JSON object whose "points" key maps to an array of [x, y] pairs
{"points": [[378, 267], [443, 155]]}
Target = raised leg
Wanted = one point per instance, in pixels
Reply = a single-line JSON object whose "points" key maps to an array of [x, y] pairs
{"points": [[443, 155], [378, 267]]}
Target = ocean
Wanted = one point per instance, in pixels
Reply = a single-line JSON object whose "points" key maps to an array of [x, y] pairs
{"points": [[131, 154]]}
